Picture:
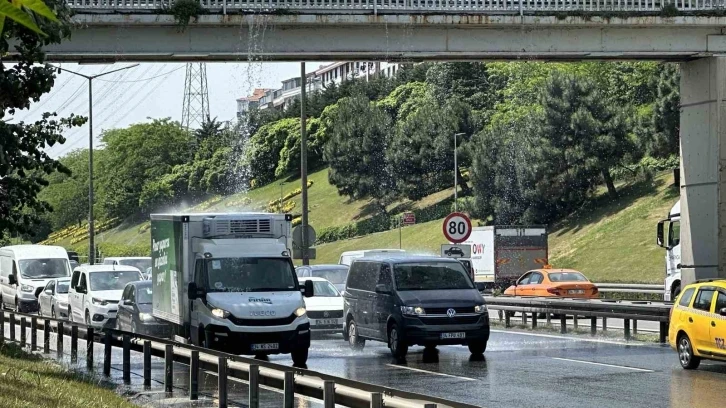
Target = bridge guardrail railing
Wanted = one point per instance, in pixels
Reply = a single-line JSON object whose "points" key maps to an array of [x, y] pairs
{"points": [[629, 311], [332, 390], [411, 6]]}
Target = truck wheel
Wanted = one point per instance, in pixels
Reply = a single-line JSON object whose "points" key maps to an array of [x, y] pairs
{"points": [[396, 342], [355, 342], [299, 357], [478, 348]]}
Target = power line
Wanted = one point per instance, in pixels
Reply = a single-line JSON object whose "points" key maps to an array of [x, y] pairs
{"points": [[45, 101], [145, 79]]}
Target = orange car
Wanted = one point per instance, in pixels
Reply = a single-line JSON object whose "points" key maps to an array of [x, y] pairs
{"points": [[554, 282]]}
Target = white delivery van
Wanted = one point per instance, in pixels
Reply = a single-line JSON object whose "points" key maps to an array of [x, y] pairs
{"points": [[25, 270], [142, 263], [346, 258], [672, 245]]}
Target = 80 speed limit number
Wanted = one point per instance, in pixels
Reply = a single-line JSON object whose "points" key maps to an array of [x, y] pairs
{"points": [[457, 227]]}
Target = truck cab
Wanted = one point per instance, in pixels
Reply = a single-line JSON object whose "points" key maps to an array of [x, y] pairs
{"points": [[669, 237]]}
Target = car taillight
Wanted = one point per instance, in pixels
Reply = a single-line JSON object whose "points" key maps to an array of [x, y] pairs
{"points": [[554, 291]]}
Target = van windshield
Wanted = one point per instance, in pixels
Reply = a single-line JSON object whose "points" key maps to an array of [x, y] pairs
{"points": [[250, 275], [44, 268], [431, 276], [62, 287], [113, 280]]}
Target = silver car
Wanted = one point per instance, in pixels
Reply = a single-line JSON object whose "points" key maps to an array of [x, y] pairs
{"points": [[53, 299]]}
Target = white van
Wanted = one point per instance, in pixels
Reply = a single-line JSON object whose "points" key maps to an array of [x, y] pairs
{"points": [[142, 263], [346, 258], [25, 270], [95, 292]]}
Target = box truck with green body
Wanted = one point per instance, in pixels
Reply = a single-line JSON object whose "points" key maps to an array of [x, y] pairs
{"points": [[226, 282]]}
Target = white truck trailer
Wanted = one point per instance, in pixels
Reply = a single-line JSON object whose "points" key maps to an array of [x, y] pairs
{"points": [[226, 282]]}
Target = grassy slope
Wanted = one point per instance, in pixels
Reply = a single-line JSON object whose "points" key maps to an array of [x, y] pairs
{"points": [[608, 241], [30, 382]]}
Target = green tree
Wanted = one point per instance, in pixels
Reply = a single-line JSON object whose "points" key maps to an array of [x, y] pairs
{"points": [[356, 152], [23, 162], [666, 114]]}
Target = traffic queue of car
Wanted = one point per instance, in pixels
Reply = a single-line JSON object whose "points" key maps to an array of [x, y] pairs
{"points": [[374, 295]]}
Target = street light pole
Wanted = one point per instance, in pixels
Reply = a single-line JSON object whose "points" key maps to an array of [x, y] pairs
{"points": [[281, 184], [91, 231], [456, 173]]}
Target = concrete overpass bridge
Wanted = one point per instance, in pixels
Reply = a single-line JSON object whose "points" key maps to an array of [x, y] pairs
{"points": [[416, 30]]}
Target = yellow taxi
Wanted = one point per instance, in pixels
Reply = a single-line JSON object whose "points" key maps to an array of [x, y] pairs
{"points": [[698, 323]]}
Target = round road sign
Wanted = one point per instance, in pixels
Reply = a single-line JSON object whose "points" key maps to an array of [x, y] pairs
{"points": [[457, 227]]}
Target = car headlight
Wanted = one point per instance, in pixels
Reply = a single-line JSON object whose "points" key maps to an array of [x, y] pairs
{"points": [[481, 309], [148, 317], [300, 311], [413, 311], [27, 288], [217, 312], [99, 301], [62, 305]]}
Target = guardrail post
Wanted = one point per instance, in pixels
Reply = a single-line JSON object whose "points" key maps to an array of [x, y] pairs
{"points": [[74, 344], [23, 328], [254, 391], [501, 316], [593, 325], [289, 401], [548, 319], [193, 373], [534, 320], [429, 405], [12, 326], [507, 319], [575, 322], [107, 354], [222, 381], [635, 327], [127, 358], [626, 328], [59, 339], [46, 336], [169, 368], [604, 324], [89, 348], [376, 400], [147, 362], [663, 335], [328, 394], [33, 334], [524, 318], [563, 324], [2, 325]]}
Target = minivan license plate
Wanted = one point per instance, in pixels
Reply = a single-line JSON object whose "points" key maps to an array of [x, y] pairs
{"points": [[458, 335], [265, 346], [324, 322], [576, 291]]}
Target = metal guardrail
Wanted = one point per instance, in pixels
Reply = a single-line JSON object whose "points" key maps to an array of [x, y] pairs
{"points": [[630, 288], [592, 309], [411, 6], [291, 381]]}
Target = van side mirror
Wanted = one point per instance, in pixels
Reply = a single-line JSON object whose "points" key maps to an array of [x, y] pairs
{"points": [[193, 292], [309, 289], [381, 288], [659, 235], [722, 312], [49, 292], [12, 280]]}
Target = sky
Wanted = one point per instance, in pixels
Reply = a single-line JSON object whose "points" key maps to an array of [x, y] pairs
{"points": [[150, 90]]}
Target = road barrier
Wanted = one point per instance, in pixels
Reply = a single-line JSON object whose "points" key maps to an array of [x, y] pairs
{"points": [[592, 309], [629, 288], [291, 381]]}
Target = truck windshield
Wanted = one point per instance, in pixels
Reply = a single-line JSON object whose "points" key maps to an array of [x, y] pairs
{"points": [[250, 275], [431, 276], [44, 268], [113, 280]]}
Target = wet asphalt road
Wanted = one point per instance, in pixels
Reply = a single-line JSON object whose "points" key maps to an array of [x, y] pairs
{"points": [[519, 369]]}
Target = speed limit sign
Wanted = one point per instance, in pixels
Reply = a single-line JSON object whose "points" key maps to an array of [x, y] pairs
{"points": [[457, 227]]}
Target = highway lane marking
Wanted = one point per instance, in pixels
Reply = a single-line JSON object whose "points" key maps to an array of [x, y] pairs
{"points": [[643, 370], [552, 336], [431, 372]]}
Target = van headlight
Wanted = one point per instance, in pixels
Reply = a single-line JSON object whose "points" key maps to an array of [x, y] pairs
{"points": [[146, 317], [300, 312], [217, 312], [27, 288], [99, 301], [413, 311], [481, 309]]}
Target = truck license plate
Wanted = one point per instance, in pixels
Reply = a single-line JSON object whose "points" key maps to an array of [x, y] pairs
{"points": [[322, 322], [265, 346], [576, 291], [457, 335]]}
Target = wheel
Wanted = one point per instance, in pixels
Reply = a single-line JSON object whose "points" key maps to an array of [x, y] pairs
{"points": [[478, 348], [676, 291], [396, 342], [685, 353], [430, 347], [356, 342], [299, 357]]}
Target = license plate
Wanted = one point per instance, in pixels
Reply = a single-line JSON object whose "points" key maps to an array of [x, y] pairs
{"points": [[266, 346], [458, 335], [576, 291], [324, 322]]}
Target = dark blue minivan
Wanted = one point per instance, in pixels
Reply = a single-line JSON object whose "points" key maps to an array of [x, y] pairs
{"points": [[406, 301]]}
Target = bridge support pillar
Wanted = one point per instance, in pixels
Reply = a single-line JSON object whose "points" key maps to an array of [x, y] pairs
{"points": [[703, 169]]}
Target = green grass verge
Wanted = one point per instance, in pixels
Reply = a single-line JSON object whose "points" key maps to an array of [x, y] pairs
{"points": [[27, 381]]}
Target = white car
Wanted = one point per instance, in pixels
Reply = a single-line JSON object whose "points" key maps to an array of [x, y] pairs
{"points": [[53, 299], [325, 308], [95, 292]]}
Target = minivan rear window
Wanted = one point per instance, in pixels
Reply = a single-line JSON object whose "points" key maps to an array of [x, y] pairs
{"points": [[431, 276]]}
